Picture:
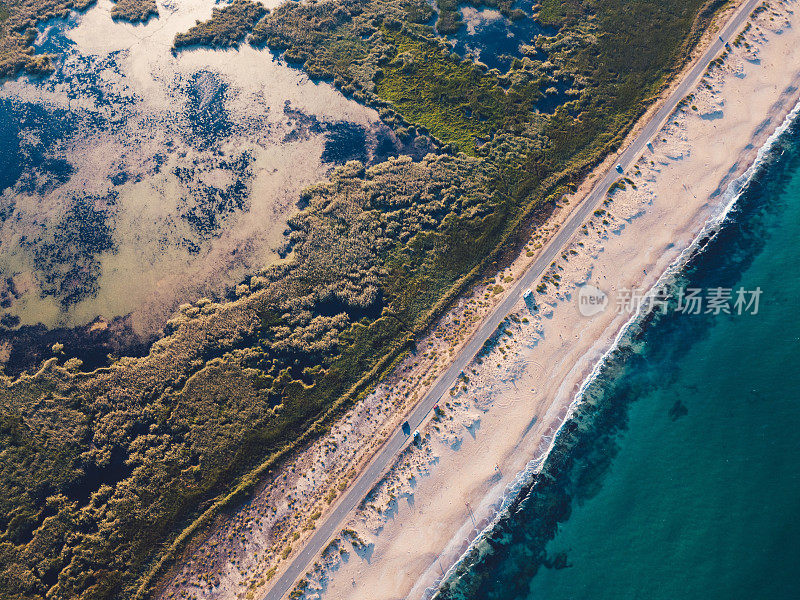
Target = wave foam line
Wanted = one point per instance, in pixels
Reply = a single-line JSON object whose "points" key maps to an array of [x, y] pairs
{"points": [[733, 194]]}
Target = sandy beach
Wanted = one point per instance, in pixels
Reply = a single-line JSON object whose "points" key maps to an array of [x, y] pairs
{"points": [[504, 411]]}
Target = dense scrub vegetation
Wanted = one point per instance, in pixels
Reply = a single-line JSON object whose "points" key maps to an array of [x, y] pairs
{"points": [[135, 11], [98, 468], [227, 26], [18, 20], [104, 475], [452, 99]]}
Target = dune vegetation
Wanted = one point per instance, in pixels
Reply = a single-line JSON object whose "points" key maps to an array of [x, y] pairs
{"points": [[135, 11], [18, 21], [105, 476], [227, 26]]}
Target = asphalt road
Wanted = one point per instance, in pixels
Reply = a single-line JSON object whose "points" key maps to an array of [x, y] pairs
{"points": [[330, 526]]}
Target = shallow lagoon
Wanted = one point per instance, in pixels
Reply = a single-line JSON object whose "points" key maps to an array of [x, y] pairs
{"points": [[186, 165]]}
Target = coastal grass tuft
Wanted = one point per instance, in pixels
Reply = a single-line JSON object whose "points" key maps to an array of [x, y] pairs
{"points": [[134, 11], [227, 26], [18, 21], [450, 97], [19, 18]]}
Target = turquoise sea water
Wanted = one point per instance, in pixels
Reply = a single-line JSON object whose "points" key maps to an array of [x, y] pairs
{"points": [[678, 477]]}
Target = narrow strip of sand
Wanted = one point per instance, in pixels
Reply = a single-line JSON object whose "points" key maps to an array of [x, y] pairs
{"points": [[511, 400], [509, 403]]}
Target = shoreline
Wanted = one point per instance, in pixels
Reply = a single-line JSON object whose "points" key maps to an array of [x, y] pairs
{"points": [[539, 532], [209, 377], [523, 482], [744, 161], [414, 373]]}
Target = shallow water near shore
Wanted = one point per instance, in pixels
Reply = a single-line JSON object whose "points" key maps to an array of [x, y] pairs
{"points": [[677, 476]]}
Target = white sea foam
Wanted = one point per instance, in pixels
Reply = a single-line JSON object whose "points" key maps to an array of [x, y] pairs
{"points": [[523, 479]]}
